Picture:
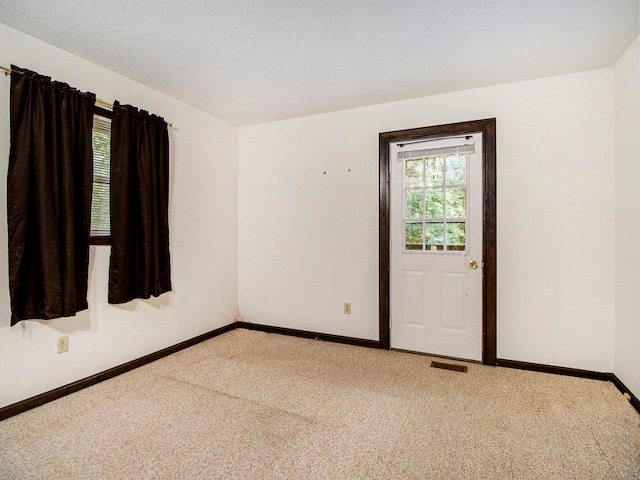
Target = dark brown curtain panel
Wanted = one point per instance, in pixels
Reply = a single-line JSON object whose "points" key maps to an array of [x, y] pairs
{"points": [[139, 266], [49, 186]]}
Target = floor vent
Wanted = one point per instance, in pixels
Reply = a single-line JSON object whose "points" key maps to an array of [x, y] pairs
{"points": [[449, 366]]}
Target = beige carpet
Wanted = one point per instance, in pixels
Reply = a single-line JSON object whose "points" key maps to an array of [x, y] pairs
{"points": [[251, 405]]}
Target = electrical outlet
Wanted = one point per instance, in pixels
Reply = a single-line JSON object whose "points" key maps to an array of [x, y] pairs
{"points": [[347, 309], [63, 344]]}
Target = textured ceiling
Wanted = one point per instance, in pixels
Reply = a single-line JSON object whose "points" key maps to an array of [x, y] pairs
{"points": [[251, 61]]}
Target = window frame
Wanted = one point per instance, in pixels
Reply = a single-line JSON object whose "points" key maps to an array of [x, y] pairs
{"points": [[100, 239]]}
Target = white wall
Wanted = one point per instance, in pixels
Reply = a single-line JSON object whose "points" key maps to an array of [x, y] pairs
{"points": [[308, 241], [203, 229], [627, 178]]}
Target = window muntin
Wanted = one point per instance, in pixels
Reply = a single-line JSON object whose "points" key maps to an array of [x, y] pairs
{"points": [[435, 203]]}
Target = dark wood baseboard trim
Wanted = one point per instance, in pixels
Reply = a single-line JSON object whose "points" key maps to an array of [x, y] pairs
{"points": [[41, 399], [572, 372], [56, 393], [538, 367], [360, 342], [633, 400]]}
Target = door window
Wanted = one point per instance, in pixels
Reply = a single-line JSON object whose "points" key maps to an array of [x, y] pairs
{"points": [[435, 203]]}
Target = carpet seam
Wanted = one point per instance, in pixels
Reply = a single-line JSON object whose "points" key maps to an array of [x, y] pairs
{"points": [[309, 420]]}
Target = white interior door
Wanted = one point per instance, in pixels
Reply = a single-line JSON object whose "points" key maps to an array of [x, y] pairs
{"points": [[436, 246]]}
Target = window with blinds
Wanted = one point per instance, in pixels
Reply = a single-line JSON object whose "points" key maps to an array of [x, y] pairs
{"points": [[435, 194], [100, 224]]}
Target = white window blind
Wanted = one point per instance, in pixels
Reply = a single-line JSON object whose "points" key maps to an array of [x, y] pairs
{"points": [[432, 148], [100, 223]]}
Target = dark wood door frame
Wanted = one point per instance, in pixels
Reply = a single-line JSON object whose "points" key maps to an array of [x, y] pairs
{"points": [[488, 129]]}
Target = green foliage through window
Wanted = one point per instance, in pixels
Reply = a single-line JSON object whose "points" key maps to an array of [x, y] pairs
{"points": [[435, 202]]}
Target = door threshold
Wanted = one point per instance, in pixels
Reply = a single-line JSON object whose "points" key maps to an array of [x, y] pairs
{"points": [[457, 359]]}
